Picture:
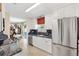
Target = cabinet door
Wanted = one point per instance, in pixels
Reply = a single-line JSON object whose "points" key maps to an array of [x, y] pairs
{"points": [[55, 31], [38, 42], [43, 43], [35, 41], [47, 46]]}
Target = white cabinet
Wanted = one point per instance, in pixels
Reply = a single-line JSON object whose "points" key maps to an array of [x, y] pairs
{"points": [[48, 46], [55, 31], [37, 42], [43, 43]]}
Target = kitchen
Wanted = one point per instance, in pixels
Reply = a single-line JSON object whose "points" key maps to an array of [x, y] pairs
{"points": [[51, 27], [63, 24]]}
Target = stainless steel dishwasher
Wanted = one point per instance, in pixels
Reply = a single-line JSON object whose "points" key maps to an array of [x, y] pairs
{"points": [[30, 40]]}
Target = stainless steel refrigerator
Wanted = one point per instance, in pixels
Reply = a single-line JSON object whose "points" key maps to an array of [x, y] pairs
{"points": [[67, 31]]}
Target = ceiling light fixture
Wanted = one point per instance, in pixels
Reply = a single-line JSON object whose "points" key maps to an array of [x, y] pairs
{"points": [[32, 7], [16, 20]]}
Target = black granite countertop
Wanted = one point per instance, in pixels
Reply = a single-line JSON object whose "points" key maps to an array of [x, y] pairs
{"points": [[50, 37]]}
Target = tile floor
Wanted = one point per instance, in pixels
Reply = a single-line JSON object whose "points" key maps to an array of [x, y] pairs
{"points": [[32, 51], [57, 50]]}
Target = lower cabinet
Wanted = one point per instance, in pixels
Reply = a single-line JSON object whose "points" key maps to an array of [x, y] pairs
{"points": [[43, 43]]}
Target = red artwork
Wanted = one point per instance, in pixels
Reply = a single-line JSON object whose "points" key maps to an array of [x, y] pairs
{"points": [[41, 20]]}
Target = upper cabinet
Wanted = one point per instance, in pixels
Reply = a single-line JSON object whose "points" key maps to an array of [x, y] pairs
{"points": [[66, 11], [69, 11], [77, 9]]}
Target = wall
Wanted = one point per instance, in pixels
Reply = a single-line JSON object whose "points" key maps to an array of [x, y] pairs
{"points": [[6, 15], [0, 21], [0, 17], [7, 24], [31, 23], [48, 21]]}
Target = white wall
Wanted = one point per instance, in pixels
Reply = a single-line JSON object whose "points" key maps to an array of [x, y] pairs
{"points": [[48, 21], [30, 24], [7, 24], [0, 21]]}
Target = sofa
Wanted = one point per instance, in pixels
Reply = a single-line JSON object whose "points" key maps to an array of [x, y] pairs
{"points": [[2, 37], [8, 47]]}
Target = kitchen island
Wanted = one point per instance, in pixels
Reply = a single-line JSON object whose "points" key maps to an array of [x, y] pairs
{"points": [[42, 42]]}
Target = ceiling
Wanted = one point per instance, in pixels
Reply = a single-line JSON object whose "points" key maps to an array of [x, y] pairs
{"points": [[18, 9]]}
